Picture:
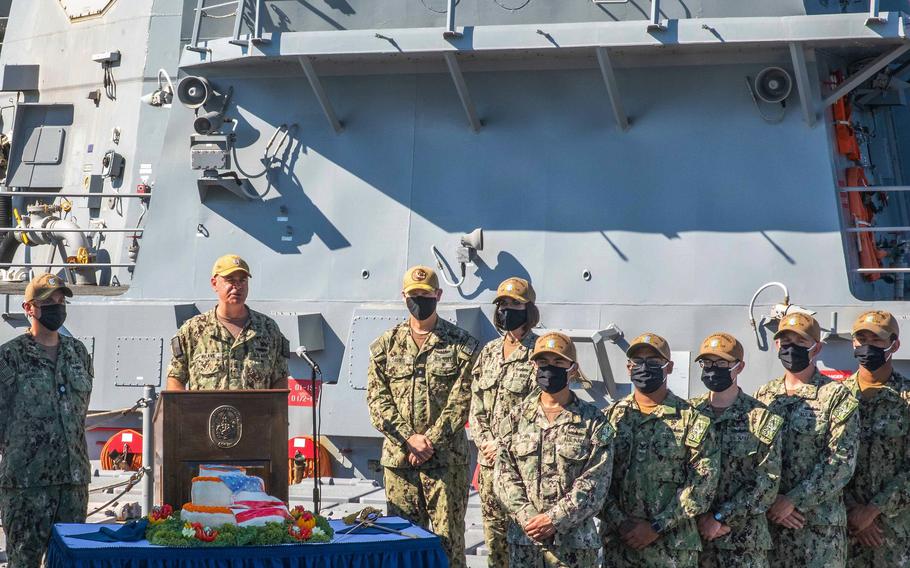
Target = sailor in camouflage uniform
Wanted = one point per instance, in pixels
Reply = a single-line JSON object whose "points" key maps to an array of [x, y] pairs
{"points": [[553, 468], [503, 377], [734, 531], [665, 472], [878, 496], [818, 447], [419, 393], [230, 347], [45, 386]]}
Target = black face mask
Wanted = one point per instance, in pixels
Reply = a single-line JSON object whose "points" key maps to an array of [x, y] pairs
{"points": [[795, 358], [552, 379], [647, 379], [511, 319], [717, 379], [421, 307], [871, 357], [53, 316]]}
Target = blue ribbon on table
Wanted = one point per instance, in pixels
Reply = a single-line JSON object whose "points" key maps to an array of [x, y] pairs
{"points": [[132, 531]]}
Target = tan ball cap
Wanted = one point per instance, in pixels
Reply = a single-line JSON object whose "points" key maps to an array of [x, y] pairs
{"points": [[560, 345], [879, 322], [721, 345], [555, 343], [43, 286], [651, 340], [801, 324], [229, 264], [516, 288], [420, 278]]}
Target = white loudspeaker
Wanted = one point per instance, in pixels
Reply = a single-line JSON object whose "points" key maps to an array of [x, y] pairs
{"points": [[193, 91], [773, 85], [474, 239]]}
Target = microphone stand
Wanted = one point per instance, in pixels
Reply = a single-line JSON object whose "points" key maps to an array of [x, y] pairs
{"points": [[317, 478], [314, 372]]}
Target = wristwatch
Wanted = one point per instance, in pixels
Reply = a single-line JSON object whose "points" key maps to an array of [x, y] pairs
{"points": [[719, 517], [656, 527]]}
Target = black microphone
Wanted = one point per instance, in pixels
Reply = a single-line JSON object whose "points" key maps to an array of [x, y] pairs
{"points": [[302, 353]]}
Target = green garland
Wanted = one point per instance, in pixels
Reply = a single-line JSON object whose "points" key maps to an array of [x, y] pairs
{"points": [[170, 533]]}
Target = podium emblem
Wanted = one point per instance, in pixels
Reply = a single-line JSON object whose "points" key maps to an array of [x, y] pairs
{"points": [[225, 426]]}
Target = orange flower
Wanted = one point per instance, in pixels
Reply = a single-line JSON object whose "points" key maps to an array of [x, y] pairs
{"points": [[306, 521], [300, 533]]}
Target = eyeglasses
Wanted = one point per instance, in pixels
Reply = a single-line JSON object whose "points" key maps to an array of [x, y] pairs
{"points": [[709, 364], [655, 362]]}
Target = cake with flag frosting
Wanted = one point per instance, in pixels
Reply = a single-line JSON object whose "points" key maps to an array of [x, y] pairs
{"points": [[226, 495]]}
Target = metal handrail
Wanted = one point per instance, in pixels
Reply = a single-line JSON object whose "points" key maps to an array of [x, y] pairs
{"points": [[87, 230], [874, 189], [73, 265], [878, 229], [71, 194], [197, 21], [878, 270], [238, 20], [874, 17]]}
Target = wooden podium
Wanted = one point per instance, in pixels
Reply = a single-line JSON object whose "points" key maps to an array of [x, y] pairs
{"points": [[243, 428]]}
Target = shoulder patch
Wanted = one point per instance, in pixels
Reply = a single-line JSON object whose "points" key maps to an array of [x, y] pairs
{"points": [[285, 347], [468, 348], [377, 350], [7, 372], [769, 429], [606, 434], [698, 431], [176, 346], [844, 409]]}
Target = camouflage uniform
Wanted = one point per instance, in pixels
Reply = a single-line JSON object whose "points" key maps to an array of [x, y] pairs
{"points": [[425, 390], [45, 471], [882, 476], [750, 473], [207, 357], [499, 386], [818, 448], [561, 469], [666, 471]]}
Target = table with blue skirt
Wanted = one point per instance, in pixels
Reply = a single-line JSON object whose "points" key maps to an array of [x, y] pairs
{"points": [[360, 549]]}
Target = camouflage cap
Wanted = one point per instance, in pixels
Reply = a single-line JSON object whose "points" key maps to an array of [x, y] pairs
{"points": [[721, 345], [420, 278], [652, 340], [229, 264], [516, 288], [879, 322], [555, 343], [801, 324], [43, 286]]}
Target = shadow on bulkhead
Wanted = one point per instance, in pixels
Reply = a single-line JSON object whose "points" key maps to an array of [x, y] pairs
{"points": [[279, 185]]}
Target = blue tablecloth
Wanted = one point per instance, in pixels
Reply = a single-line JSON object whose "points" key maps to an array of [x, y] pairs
{"points": [[345, 551]]}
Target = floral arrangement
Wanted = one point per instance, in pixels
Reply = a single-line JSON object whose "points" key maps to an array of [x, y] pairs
{"points": [[167, 529], [160, 514]]}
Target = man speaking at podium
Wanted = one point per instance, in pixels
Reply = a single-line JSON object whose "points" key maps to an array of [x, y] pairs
{"points": [[230, 347]]}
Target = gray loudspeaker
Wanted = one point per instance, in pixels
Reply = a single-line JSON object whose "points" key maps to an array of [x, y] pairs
{"points": [[773, 85], [208, 122], [474, 239], [193, 91]]}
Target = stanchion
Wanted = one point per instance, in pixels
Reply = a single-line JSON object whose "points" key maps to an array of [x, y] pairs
{"points": [[148, 450]]}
